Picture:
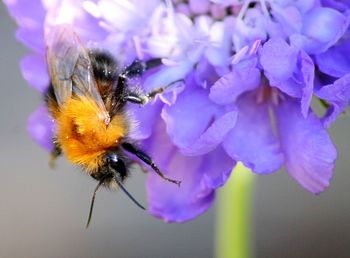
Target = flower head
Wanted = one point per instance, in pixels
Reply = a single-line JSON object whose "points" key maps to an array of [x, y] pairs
{"points": [[250, 71]]}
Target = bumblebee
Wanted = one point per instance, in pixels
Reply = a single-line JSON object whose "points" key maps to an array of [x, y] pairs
{"points": [[87, 99]]}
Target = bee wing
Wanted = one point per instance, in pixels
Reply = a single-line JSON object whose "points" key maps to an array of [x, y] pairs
{"points": [[70, 67]]}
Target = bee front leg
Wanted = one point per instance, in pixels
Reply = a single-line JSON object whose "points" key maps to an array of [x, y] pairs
{"points": [[143, 99], [138, 67], [148, 160]]}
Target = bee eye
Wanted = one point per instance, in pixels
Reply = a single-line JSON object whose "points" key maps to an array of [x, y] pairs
{"points": [[117, 164]]}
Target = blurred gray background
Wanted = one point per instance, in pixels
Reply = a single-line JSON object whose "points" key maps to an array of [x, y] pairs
{"points": [[43, 211]]}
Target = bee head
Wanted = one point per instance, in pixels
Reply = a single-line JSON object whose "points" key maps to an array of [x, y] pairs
{"points": [[116, 164]]}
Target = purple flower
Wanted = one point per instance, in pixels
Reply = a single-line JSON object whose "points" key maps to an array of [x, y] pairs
{"points": [[250, 71]]}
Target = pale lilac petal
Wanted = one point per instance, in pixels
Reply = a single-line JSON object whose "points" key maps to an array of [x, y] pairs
{"points": [[189, 117], [200, 176], [315, 40], [26, 13], [279, 61], [338, 96], [167, 75], [41, 127], [143, 119], [84, 23], [218, 54], [336, 60], [250, 29], [307, 70], [32, 38], [290, 18], [306, 5], [216, 175], [229, 87], [30, 31], [34, 70], [213, 135], [308, 149], [126, 16], [205, 74], [252, 140], [342, 5]]}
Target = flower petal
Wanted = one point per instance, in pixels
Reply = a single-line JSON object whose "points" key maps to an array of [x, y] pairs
{"points": [[167, 75], [335, 61], [289, 17], [278, 59], [336, 4], [34, 70], [307, 70], [19, 10], [41, 127], [338, 96], [145, 117], [213, 135], [314, 40], [308, 149], [30, 31], [189, 117], [200, 176], [251, 140], [32, 38], [244, 77]]}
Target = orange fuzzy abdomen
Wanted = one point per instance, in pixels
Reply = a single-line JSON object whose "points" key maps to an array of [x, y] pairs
{"points": [[83, 135]]}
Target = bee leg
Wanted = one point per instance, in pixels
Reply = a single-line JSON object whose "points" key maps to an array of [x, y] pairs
{"points": [[148, 160], [138, 67], [55, 153], [143, 99]]}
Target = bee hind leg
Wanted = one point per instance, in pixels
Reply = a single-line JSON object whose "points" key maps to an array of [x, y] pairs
{"points": [[148, 160], [55, 153]]}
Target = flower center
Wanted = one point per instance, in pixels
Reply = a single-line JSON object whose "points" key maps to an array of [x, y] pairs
{"points": [[267, 93], [194, 8]]}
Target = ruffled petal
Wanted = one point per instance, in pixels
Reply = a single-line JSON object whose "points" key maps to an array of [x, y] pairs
{"points": [[251, 140], [307, 71], [200, 176], [75, 13], [338, 96], [289, 17], [30, 31], [336, 4], [167, 75], [315, 40], [229, 87], [19, 10], [41, 127], [189, 117], [336, 60], [308, 149], [278, 59], [213, 135], [143, 119], [34, 70]]}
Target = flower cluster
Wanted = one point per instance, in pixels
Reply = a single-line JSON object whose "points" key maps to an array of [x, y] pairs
{"points": [[250, 71]]}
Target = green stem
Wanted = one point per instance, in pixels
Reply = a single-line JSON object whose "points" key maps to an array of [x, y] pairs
{"points": [[234, 215]]}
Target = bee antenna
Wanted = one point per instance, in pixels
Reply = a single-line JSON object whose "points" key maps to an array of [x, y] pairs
{"points": [[93, 201], [127, 193]]}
